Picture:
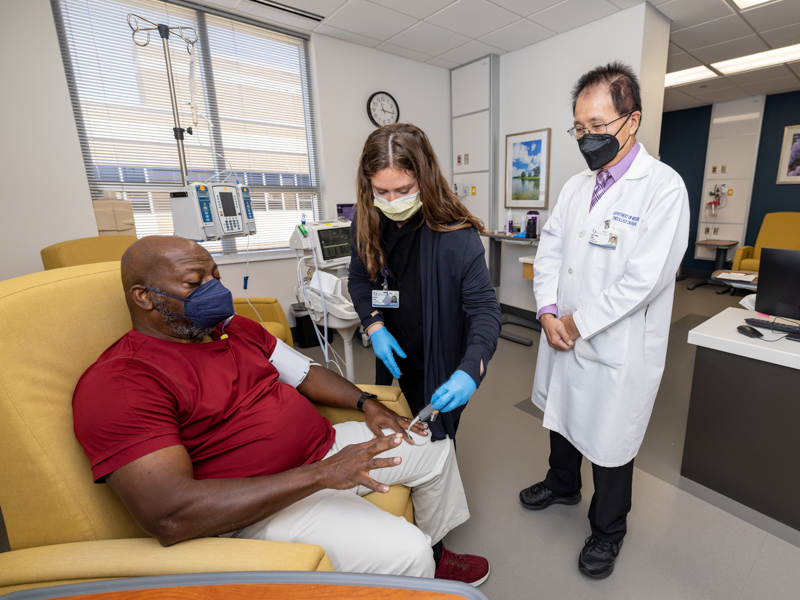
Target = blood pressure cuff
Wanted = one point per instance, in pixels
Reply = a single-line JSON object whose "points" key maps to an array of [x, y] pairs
{"points": [[291, 365]]}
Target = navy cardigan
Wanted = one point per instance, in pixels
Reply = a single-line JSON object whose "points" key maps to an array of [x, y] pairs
{"points": [[461, 315]]}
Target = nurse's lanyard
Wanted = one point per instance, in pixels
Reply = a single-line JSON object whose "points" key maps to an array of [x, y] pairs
{"points": [[385, 298]]}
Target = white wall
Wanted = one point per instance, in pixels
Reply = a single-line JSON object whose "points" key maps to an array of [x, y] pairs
{"points": [[347, 74], [45, 194], [535, 87]]}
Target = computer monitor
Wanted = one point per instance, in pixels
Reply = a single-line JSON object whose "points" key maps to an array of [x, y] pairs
{"points": [[332, 241], [346, 211], [779, 283]]}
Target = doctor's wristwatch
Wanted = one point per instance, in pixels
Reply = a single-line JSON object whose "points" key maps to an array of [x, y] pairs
{"points": [[362, 399]]}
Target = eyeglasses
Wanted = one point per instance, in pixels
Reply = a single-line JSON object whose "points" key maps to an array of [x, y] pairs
{"points": [[598, 128]]}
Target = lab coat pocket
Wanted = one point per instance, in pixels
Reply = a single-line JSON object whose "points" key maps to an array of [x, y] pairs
{"points": [[609, 347], [614, 260]]}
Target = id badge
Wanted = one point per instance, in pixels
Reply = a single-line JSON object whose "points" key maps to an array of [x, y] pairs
{"points": [[385, 299], [605, 238]]}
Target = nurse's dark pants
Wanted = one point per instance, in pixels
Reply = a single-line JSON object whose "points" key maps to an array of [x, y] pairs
{"points": [[611, 503]]}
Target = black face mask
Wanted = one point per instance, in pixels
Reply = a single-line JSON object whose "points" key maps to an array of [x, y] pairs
{"points": [[600, 148]]}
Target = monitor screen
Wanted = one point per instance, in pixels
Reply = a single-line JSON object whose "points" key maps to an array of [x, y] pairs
{"points": [[779, 283], [346, 211], [334, 242], [228, 202]]}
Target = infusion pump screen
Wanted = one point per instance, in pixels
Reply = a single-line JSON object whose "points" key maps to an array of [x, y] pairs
{"points": [[334, 243], [228, 204]]}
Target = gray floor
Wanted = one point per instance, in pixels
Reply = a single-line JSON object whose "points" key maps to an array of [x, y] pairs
{"points": [[684, 541]]}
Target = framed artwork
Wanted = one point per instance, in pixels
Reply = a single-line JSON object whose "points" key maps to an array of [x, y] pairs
{"points": [[789, 166], [528, 169]]}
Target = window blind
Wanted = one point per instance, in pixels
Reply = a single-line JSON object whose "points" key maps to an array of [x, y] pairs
{"points": [[253, 88]]}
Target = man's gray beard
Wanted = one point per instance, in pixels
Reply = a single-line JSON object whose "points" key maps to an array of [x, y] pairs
{"points": [[182, 326]]}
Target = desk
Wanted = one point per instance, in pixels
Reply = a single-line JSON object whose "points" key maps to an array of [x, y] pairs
{"points": [[720, 262], [495, 255], [744, 412]]}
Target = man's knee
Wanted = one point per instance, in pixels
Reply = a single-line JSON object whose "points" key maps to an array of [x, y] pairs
{"points": [[411, 553]]}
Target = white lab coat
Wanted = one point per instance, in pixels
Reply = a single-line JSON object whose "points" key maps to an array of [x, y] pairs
{"points": [[599, 395]]}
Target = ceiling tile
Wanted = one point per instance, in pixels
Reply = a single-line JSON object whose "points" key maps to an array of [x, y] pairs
{"points": [[571, 14], [420, 9], [774, 86], [470, 51], [428, 39], [517, 35], [731, 93], [676, 100], [679, 62], [783, 36], [707, 85], [732, 49], [371, 20], [526, 8], [221, 3], [795, 67], [346, 35], [673, 49], [685, 13], [412, 54], [473, 18], [760, 75], [711, 32], [774, 15], [439, 62]]}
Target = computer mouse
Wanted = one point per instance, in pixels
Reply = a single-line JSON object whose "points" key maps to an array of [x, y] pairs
{"points": [[749, 331]]}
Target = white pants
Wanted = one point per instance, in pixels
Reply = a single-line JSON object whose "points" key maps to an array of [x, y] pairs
{"points": [[360, 537]]}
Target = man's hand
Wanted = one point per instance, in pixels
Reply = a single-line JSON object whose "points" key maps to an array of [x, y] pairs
{"points": [[379, 417], [556, 332], [350, 466], [572, 329]]}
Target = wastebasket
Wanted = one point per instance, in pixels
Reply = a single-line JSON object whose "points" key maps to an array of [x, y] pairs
{"points": [[303, 331]]}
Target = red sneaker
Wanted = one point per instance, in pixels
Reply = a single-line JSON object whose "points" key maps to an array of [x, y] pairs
{"points": [[468, 568]]}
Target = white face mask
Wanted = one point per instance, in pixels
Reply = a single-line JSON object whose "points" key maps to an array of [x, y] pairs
{"points": [[400, 209]]}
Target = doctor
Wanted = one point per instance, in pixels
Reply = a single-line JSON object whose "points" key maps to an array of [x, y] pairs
{"points": [[605, 272]]}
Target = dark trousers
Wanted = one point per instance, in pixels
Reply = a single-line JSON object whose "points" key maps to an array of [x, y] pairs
{"points": [[611, 503]]}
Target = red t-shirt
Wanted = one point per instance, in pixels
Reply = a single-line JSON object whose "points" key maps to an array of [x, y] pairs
{"points": [[221, 400]]}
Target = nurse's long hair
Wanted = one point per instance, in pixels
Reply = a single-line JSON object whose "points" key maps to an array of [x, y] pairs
{"points": [[407, 148]]}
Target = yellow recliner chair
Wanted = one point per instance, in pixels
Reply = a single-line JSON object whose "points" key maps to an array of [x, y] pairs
{"points": [[62, 527], [778, 230]]}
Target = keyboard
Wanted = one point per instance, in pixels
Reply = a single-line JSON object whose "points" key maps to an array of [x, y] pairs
{"points": [[773, 326]]}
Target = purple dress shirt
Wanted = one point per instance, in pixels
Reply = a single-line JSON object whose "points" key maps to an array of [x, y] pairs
{"points": [[616, 171]]}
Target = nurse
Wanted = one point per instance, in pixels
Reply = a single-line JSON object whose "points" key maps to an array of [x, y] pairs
{"points": [[414, 241], [605, 272]]}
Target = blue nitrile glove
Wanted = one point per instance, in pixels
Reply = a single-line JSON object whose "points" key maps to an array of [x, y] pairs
{"points": [[383, 343], [454, 393]]}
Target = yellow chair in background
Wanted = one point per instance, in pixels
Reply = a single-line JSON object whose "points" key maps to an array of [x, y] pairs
{"points": [[778, 230], [269, 313], [62, 527], [86, 251]]}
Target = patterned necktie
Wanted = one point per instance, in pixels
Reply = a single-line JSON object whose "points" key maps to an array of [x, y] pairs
{"points": [[600, 187]]}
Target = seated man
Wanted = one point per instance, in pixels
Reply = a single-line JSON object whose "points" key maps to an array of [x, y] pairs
{"points": [[197, 419]]}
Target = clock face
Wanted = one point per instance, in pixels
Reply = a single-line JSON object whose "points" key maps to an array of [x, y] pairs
{"points": [[383, 109]]}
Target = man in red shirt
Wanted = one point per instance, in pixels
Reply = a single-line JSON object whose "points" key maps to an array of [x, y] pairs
{"points": [[200, 421]]}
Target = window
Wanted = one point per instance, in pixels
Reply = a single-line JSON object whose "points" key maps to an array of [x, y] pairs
{"points": [[251, 82]]}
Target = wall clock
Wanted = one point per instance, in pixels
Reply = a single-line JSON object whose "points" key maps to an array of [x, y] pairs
{"points": [[383, 109]]}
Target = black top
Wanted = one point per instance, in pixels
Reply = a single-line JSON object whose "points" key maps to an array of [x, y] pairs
{"points": [[401, 248]]}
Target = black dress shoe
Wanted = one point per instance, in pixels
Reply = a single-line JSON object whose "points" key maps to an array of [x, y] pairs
{"points": [[597, 557], [539, 496]]}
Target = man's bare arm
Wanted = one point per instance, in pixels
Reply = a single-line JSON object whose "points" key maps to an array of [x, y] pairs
{"points": [[323, 386], [166, 500]]}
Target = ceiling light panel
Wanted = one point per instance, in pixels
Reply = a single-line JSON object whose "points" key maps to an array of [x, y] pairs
{"points": [[760, 60], [688, 76]]}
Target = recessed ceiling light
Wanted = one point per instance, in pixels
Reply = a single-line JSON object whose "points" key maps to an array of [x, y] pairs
{"points": [[742, 4], [770, 58], [688, 76]]}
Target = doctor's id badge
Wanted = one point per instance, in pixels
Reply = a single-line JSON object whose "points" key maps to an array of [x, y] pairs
{"points": [[604, 239], [385, 299]]}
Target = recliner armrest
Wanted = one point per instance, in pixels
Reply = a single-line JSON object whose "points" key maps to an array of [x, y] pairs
{"points": [[742, 253], [391, 397]]}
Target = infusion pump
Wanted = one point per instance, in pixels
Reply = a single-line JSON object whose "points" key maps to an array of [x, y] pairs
{"points": [[207, 212]]}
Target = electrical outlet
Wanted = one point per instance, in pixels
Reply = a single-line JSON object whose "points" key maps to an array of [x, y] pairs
{"points": [[466, 159], [716, 230], [707, 230], [724, 168], [473, 190]]}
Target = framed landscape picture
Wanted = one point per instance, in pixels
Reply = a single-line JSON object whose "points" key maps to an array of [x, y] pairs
{"points": [[789, 166], [528, 169]]}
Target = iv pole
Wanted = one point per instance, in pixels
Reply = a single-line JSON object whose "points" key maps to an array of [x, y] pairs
{"points": [[164, 31]]}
